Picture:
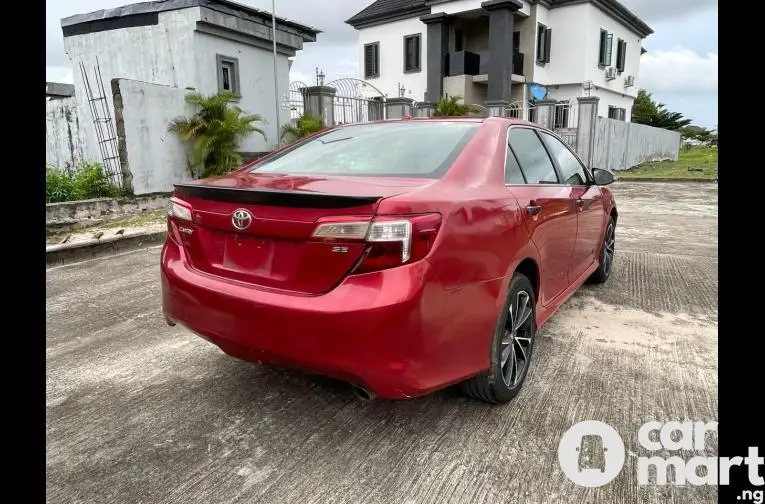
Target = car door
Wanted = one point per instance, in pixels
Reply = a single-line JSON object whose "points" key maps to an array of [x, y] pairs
{"points": [[551, 214], [589, 204]]}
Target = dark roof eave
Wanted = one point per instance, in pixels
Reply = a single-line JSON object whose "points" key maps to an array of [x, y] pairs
{"points": [[171, 5], [361, 22]]}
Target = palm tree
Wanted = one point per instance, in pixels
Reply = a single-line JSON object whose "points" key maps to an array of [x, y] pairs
{"points": [[215, 132], [305, 125], [450, 106]]}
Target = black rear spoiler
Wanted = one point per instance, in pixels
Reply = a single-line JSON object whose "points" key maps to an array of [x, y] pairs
{"points": [[273, 197]]}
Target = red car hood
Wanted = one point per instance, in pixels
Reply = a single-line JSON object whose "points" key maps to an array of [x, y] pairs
{"points": [[317, 184]]}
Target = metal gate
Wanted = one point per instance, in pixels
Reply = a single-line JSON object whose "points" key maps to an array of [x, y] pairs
{"points": [[294, 101], [357, 101], [566, 120], [516, 111]]}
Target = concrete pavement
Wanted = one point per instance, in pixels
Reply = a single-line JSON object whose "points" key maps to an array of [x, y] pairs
{"points": [[139, 412]]}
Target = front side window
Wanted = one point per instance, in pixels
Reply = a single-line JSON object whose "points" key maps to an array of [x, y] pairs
{"points": [[570, 168], [532, 157], [407, 149]]}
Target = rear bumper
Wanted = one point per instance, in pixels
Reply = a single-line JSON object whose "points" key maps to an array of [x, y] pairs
{"points": [[385, 330]]}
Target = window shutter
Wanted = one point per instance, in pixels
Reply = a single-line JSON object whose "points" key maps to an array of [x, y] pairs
{"points": [[602, 52], [609, 46], [621, 59], [548, 43], [369, 54]]}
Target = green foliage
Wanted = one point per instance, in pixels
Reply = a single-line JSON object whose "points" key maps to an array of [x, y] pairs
{"points": [[215, 132], [703, 135], [449, 106], [305, 125], [86, 182], [646, 111], [693, 163]]}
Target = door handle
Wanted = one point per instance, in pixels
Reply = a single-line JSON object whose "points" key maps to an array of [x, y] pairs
{"points": [[580, 203], [533, 209]]}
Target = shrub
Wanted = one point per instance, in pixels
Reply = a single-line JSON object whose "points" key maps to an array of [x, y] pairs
{"points": [[449, 106], [214, 133], [86, 182], [305, 125]]}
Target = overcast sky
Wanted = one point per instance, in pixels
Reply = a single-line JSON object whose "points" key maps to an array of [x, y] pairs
{"points": [[680, 67]]}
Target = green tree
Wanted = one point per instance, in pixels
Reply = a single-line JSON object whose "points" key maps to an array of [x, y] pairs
{"points": [[215, 132], [449, 106], [305, 125], [648, 112]]}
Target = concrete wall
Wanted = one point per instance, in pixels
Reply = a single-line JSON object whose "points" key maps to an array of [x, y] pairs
{"points": [[160, 54], [256, 81], [64, 144], [156, 158], [621, 145]]}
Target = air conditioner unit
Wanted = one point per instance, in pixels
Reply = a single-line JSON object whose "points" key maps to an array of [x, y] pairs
{"points": [[629, 81], [610, 73]]}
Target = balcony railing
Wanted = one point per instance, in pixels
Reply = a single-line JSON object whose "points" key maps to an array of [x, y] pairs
{"points": [[476, 63]]}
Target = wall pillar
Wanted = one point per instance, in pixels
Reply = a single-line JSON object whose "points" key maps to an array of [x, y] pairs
{"points": [[501, 17], [396, 108], [545, 113], [425, 109], [320, 101], [585, 132], [437, 48], [497, 108]]}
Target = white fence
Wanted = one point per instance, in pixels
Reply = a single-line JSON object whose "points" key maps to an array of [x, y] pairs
{"points": [[64, 146], [620, 145]]}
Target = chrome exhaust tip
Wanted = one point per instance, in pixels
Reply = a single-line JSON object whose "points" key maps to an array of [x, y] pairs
{"points": [[363, 393]]}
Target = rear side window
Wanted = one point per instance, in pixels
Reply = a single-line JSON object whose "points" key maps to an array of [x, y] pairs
{"points": [[401, 149], [532, 156], [513, 174]]}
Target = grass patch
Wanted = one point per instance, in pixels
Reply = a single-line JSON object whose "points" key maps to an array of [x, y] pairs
{"points": [[697, 163]]}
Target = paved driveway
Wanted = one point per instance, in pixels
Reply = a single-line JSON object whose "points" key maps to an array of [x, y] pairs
{"points": [[139, 412]]}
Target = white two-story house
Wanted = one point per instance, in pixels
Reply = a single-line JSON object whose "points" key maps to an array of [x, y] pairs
{"points": [[503, 52]]}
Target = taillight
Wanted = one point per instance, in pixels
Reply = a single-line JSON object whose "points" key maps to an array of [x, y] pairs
{"points": [[177, 210], [392, 241]]}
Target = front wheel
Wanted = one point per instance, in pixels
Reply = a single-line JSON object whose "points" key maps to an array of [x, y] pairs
{"points": [[511, 347], [601, 274]]}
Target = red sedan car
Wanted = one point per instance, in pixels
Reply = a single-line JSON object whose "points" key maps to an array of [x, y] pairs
{"points": [[401, 256]]}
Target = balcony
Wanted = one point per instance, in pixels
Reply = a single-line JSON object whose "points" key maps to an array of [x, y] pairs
{"points": [[477, 64]]}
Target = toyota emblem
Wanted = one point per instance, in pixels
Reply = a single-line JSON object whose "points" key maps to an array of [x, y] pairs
{"points": [[241, 219]]}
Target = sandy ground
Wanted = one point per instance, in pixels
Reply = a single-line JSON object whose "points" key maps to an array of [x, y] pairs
{"points": [[139, 412]]}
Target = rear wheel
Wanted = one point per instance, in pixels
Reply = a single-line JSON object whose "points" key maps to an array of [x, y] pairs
{"points": [[601, 274], [511, 347]]}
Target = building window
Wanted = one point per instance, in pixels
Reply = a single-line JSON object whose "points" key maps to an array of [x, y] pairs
{"points": [[619, 114], [372, 60], [412, 53], [544, 39], [562, 115], [621, 55], [228, 74], [606, 41]]}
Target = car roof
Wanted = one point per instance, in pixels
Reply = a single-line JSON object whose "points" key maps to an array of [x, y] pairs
{"points": [[509, 120]]}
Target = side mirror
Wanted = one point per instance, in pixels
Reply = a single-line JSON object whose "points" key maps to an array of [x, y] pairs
{"points": [[603, 177]]}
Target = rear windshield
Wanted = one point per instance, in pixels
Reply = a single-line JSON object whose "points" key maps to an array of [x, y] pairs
{"points": [[405, 149]]}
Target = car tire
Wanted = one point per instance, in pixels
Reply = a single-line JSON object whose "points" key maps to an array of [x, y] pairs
{"points": [[509, 347], [606, 258]]}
